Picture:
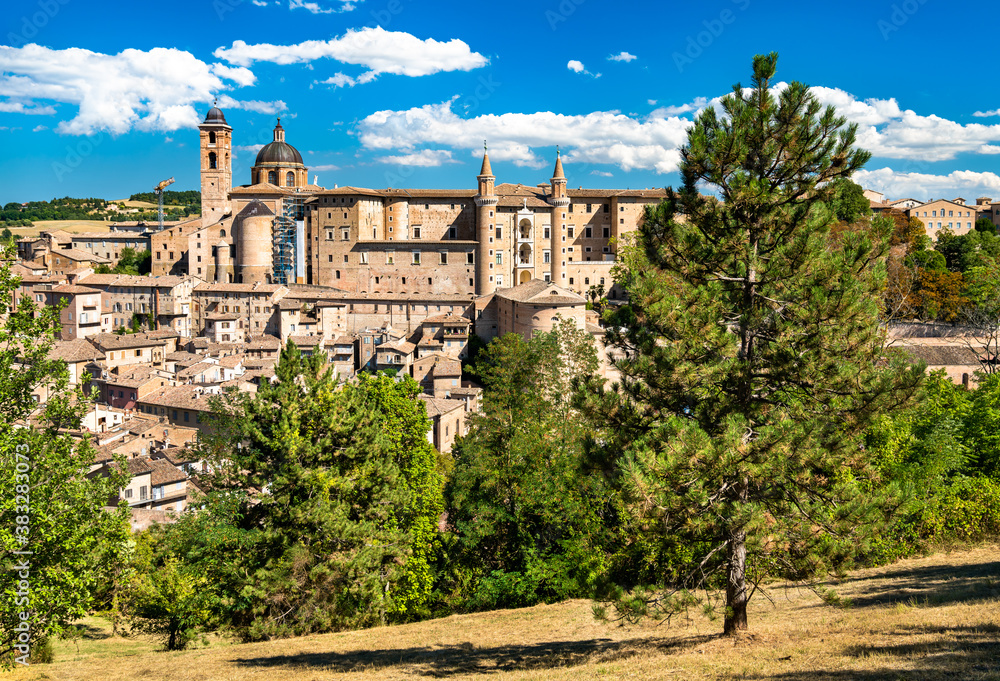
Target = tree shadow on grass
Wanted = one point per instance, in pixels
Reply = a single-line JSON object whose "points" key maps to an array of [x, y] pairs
{"points": [[466, 658], [936, 585], [965, 653]]}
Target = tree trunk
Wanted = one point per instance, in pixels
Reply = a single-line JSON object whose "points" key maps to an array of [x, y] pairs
{"points": [[736, 584]]}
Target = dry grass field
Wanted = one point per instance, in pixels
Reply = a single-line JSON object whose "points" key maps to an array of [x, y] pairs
{"points": [[925, 619], [72, 226]]}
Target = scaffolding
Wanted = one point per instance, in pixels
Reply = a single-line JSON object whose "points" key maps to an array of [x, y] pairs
{"points": [[285, 242]]}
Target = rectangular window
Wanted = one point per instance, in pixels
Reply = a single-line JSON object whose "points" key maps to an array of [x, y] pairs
{"points": [[607, 233], [453, 232], [546, 256], [389, 257], [416, 231], [470, 258], [545, 232], [499, 233], [569, 230], [587, 232], [444, 257], [345, 234], [329, 235], [416, 257], [363, 257], [499, 258]]}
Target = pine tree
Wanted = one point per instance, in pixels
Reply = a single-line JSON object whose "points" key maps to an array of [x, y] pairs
{"points": [[335, 494], [751, 354]]}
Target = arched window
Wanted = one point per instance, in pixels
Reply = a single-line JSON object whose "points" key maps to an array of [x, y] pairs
{"points": [[211, 160], [222, 232], [211, 137], [272, 177], [289, 179]]}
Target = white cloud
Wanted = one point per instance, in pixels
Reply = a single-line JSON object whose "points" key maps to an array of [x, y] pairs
{"points": [[577, 66], [425, 158], [147, 91], [39, 128], [374, 48], [651, 102], [987, 114], [622, 56], [339, 80], [19, 107], [324, 168], [602, 173], [316, 8], [886, 129], [665, 111], [925, 186], [261, 3], [227, 102], [601, 137], [252, 148]]}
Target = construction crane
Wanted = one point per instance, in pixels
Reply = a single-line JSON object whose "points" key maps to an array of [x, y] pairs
{"points": [[158, 189]]}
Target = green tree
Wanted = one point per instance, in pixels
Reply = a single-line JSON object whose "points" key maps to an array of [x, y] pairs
{"points": [[166, 597], [531, 524], [48, 506], [333, 491], [752, 357], [849, 202], [985, 225]]}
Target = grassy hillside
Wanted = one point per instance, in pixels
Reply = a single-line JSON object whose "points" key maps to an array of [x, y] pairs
{"points": [[73, 226], [925, 619]]}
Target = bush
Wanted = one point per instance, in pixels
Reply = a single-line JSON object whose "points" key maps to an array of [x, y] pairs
{"points": [[968, 510]]}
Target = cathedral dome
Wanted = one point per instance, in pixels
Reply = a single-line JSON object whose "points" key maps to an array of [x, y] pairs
{"points": [[215, 115], [279, 152]]}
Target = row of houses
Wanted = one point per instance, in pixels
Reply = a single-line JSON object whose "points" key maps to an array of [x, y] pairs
{"points": [[955, 215]]}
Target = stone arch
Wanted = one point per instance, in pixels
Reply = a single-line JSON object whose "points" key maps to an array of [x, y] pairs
{"points": [[524, 255], [211, 137], [525, 276], [213, 161], [272, 177], [222, 233], [524, 229], [289, 179]]}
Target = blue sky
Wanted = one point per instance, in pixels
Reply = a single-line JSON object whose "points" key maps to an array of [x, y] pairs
{"points": [[102, 99]]}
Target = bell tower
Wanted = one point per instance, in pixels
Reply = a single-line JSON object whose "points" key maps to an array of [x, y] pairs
{"points": [[216, 166]]}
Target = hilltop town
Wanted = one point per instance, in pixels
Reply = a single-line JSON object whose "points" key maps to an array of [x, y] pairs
{"points": [[389, 279]]}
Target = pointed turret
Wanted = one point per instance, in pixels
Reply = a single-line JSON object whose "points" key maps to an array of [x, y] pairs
{"points": [[558, 178], [486, 170], [558, 174], [486, 202], [559, 202]]}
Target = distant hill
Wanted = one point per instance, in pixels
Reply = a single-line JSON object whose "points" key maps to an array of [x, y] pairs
{"points": [[186, 198], [24, 215]]}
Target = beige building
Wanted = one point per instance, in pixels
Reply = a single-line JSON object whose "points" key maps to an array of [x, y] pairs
{"points": [[941, 214], [84, 314], [397, 242], [167, 298]]}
